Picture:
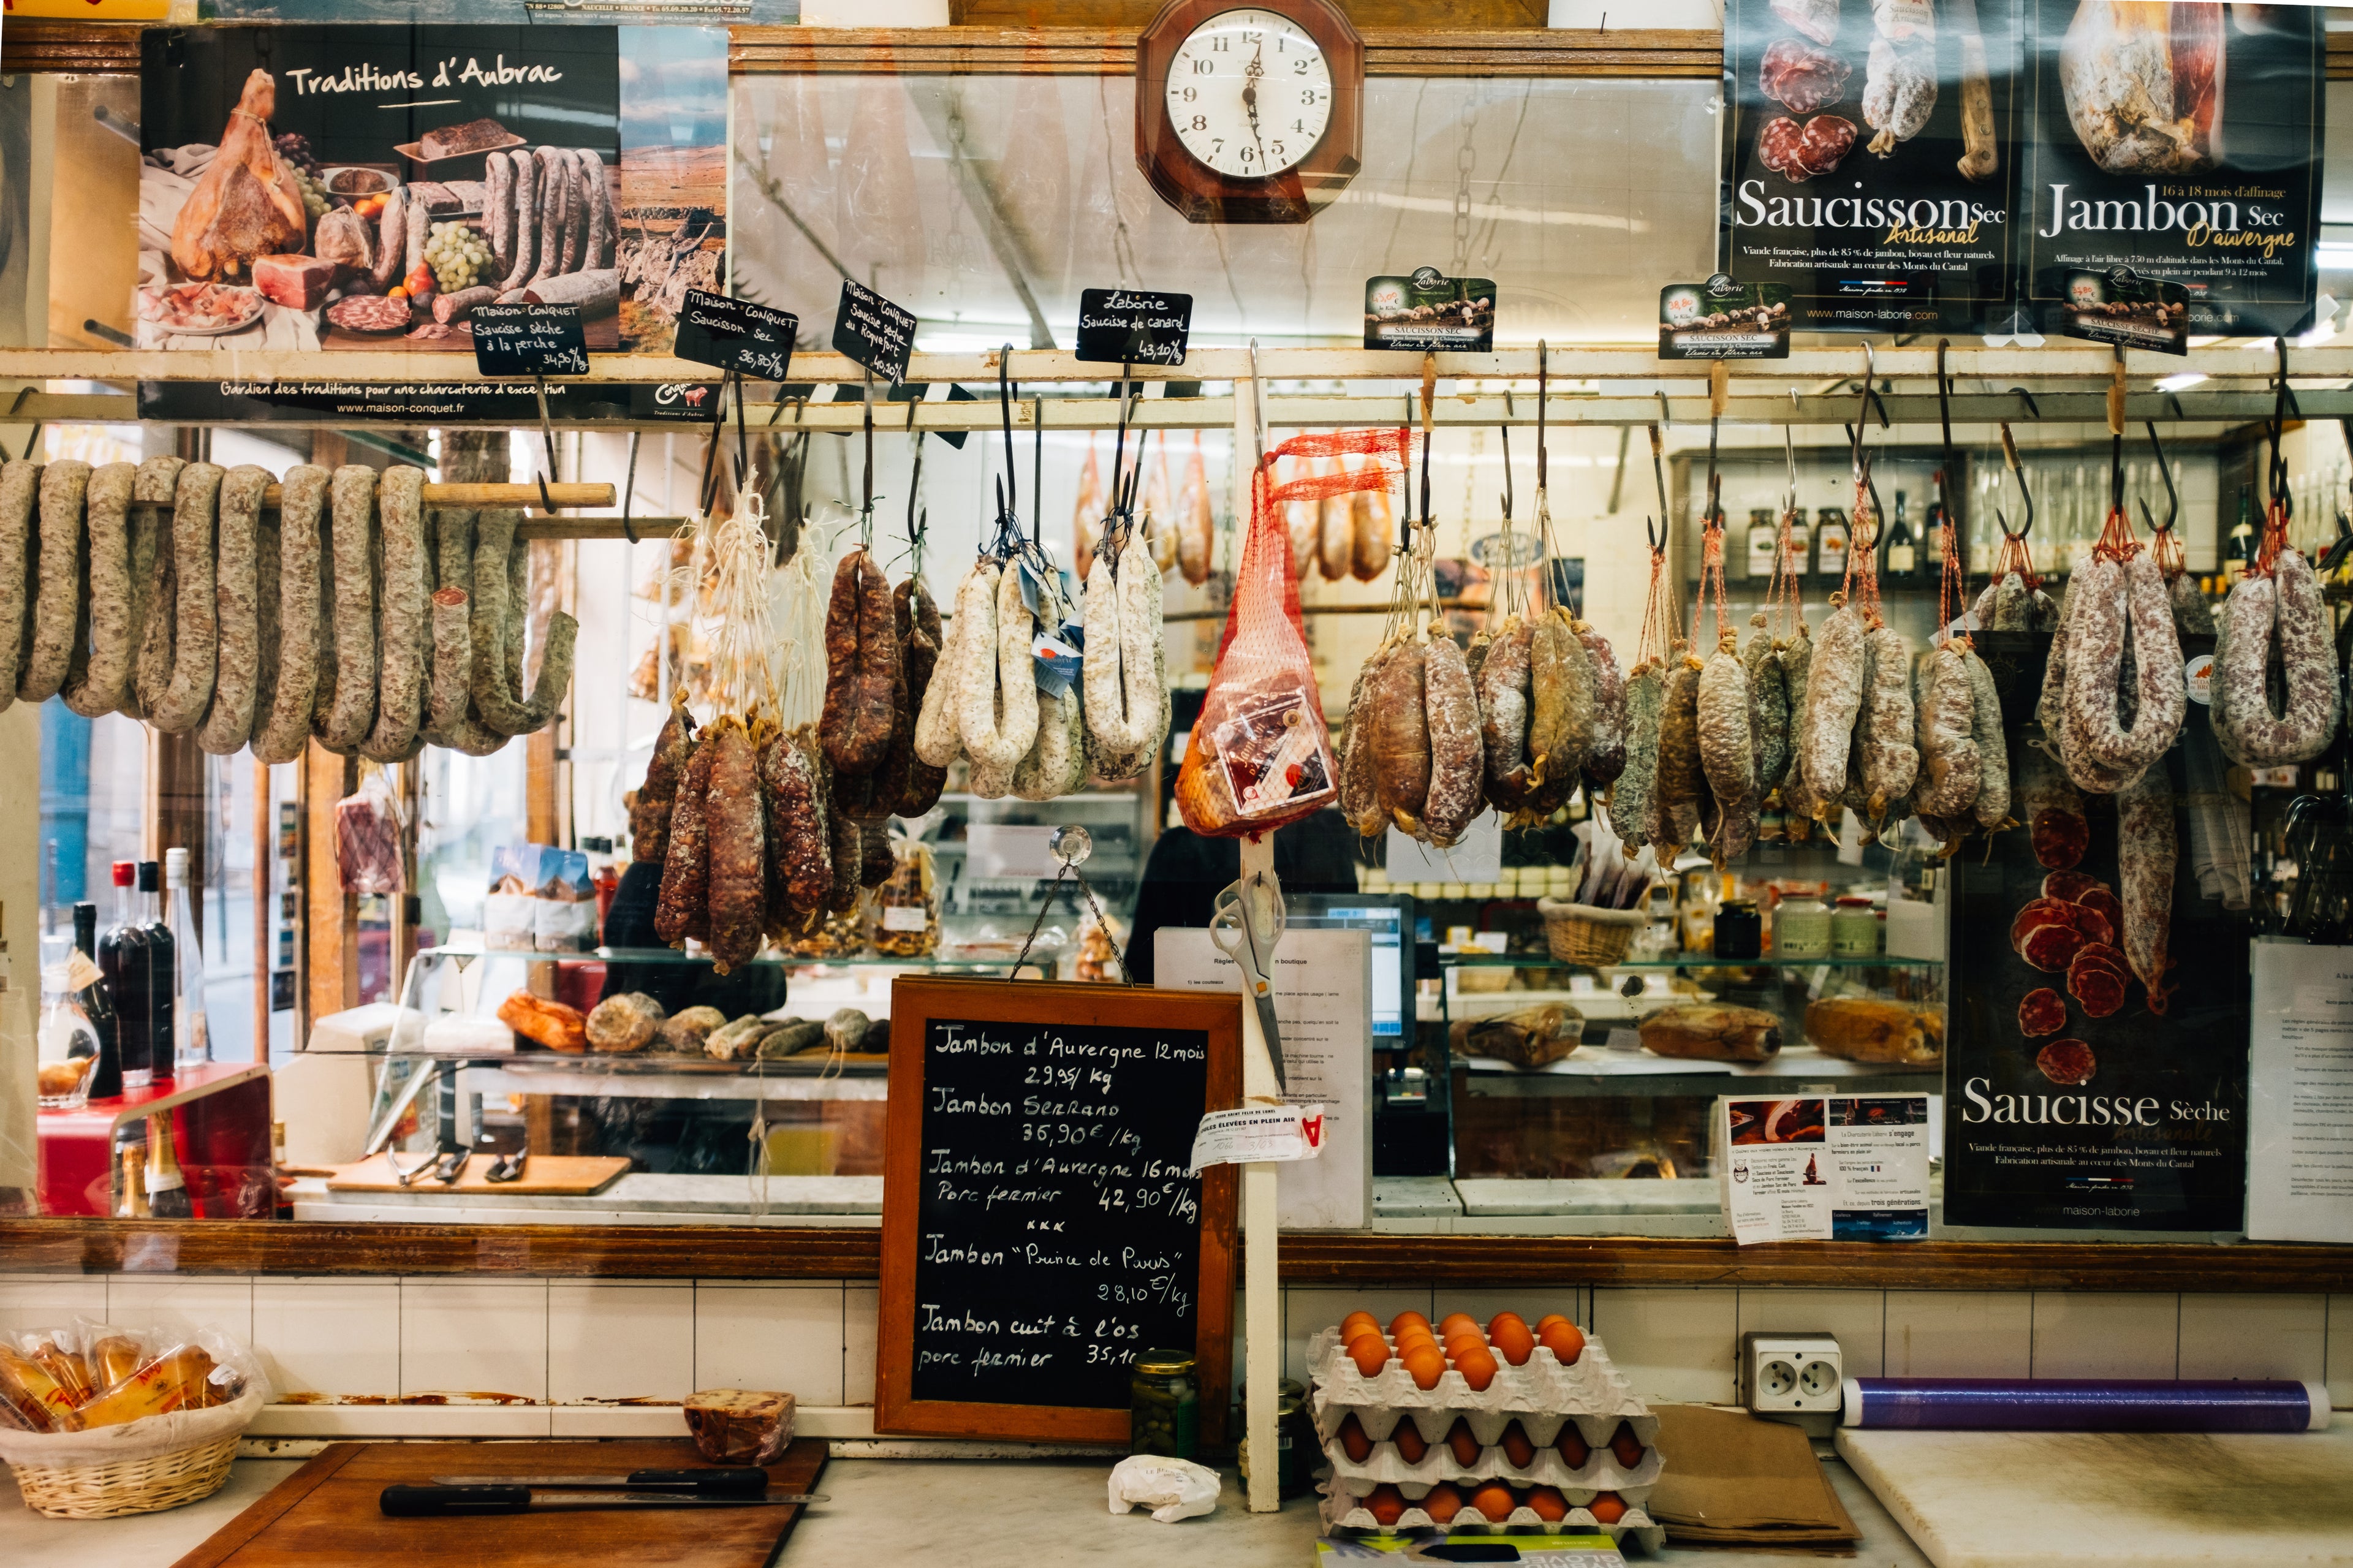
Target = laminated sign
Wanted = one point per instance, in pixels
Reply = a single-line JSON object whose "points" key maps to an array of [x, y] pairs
{"points": [[1430, 313], [1723, 320], [1870, 161]]}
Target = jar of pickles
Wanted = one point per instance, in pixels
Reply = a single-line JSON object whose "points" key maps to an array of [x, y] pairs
{"points": [[907, 907], [1164, 1406]]}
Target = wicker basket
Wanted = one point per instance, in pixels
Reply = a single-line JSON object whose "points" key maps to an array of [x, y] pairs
{"points": [[1580, 934], [113, 1488]]}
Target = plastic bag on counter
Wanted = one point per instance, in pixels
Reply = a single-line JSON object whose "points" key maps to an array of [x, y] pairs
{"points": [[507, 911], [367, 838], [92, 1391], [564, 900], [1172, 1489]]}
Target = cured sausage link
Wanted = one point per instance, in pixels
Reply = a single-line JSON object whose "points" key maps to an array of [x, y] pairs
{"points": [[196, 645], [347, 701], [57, 605], [99, 680], [402, 633], [229, 725], [2146, 848], [282, 730]]}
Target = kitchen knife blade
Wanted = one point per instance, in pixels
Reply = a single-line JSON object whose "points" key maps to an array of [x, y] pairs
{"points": [[456, 1502], [712, 1481]]}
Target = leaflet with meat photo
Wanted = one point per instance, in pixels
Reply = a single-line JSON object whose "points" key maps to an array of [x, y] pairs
{"points": [[342, 188], [2182, 141], [1869, 160]]}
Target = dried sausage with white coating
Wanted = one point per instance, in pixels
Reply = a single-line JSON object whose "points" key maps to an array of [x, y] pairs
{"points": [[230, 725]]}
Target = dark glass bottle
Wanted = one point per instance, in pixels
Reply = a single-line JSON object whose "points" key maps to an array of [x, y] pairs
{"points": [[162, 972], [1902, 562], [123, 958], [97, 1006]]}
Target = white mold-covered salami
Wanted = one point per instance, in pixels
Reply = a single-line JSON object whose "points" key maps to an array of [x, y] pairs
{"points": [[1681, 780], [1122, 696], [1503, 700], [1992, 808], [1400, 735], [498, 212], [57, 606], [938, 741], [1057, 763], [20, 492], [1833, 700], [2192, 616], [2121, 605], [1891, 761], [283, 702], [1950, 773], [101, 673], [347, 699], [1727, 751], [598, 225], [401, 630], [2254, 732], [1796, 658], [1000, 706], [1360, 801], [1607, 759], [1633, 803], [196, 639], [1451, 709], [229, 725], [1768, 710]]}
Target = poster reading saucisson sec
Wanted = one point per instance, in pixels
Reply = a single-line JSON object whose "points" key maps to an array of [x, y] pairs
{"points": [[2095, 1071], [1870, 161], [2182, 141]]}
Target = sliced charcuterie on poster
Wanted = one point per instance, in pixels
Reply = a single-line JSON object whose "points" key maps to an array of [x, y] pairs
{"points": [[2183, 140], [1869, 159], [326, 188], [2074, 1098]]}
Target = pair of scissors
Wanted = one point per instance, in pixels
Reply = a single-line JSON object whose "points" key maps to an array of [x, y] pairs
{"points": [[1246, 921]]}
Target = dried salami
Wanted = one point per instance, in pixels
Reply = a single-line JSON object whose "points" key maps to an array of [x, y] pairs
{"points": [[230, 723], [682, 907], [101, 668], [1891, 758], [858, 712], [20, 489], [1503, 693], [650, 817], [2068, 1063], [153, 490], [801, 848], [1560, 710], [1768, 710], [2193, 615], [1951, 771], [938, 742], [875, 861], [1634, 800], [1992, 808], [1607, 760], [920, 783], [846, 845], [2036, 914], [2254, 731], [2042, 1011], [1450, 710], [401, 632], [1681, 782], [346, 704], [1728, 750], [369, 312], [2124, 605], [1835, 672], [1360, 802], [2102, 955], [1056, 763], [999, 714], [282, 721], [2146, 850], [55, 614], [1400, 737], [736, 873]]}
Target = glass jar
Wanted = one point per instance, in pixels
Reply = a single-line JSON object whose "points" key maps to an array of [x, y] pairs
{"points": [[1739, 930], [1854, 927], [907, 906], [1295, 1433], [1801, 929], [1164, 1406]]}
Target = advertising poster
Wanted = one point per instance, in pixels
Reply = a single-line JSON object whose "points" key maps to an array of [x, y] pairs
{"points": [[1870, 161], [1835, 1168], [2182, 141], [2072, 1098], [325, 188]]}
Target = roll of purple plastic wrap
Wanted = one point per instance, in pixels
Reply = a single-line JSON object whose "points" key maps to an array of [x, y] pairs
{"points": [[2093, 1404]]}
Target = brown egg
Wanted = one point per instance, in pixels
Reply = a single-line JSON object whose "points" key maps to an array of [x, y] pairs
{"points": [[1547, 1321], [1606, 1507], [1412, 1337], [1353, 1440], [1626, 1446], [1443, 1503], [1511, 1340], [1478, 1369], [1566, 1341], [1459, 1344], [1424, 1365], [1500, 1318], [1369, 1354], [1411, 1446], [1573, 1449], [1387, 1504], [1517, 1447], [1466, 1447], [1494, 1500], [1453, 1321], [1359, 1318], [1398, 1323], [1550, 1506]]}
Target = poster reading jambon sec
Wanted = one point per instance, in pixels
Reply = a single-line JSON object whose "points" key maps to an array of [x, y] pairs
{"points": [[369, 188]]}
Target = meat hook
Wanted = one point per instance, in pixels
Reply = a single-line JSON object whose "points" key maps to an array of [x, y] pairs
{"points": [[2172, 497], [1505, 430], [1658, 540], [2017, 472]]}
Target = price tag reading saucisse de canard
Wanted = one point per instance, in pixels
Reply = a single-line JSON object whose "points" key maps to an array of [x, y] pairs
{"points": [[736, 334], [873, 331], [1134, 326], [529, 340]]}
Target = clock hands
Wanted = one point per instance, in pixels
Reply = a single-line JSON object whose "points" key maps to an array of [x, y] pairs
{"points": [[1251, 74]]}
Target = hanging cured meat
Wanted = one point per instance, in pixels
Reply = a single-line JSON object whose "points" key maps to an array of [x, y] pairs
{"points": [[247, 205], [2144, 84]]}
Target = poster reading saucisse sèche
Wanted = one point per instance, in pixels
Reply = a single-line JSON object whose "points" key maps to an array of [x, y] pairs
{"points": [[1869, 160], [2182, 141], [2095, 1073]]}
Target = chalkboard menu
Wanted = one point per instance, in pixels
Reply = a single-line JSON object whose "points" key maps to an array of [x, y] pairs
{"points": [[1039, 1226]]}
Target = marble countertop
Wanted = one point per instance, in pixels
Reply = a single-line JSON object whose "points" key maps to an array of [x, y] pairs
{"points": [[976, 1513]]}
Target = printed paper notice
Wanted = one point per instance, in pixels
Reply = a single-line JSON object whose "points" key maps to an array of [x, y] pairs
{"points": [[1823, 1169], [2300, 1094], [1259, 1134]]}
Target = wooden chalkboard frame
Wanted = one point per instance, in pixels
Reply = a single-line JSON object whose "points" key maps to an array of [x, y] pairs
{"points": [[915, 1000]]}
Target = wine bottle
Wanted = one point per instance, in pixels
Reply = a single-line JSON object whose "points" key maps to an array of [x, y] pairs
{"points": [[1903, 558], [167, 1190], [123, 958], [162, 975], [88, 983], [192, 1030]]}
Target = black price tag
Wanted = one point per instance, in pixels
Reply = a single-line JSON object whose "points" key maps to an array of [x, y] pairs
{"points": [[1723, 319], [529, 340], [2116, 305], [736, 334], [873, 331], [1134, 326]]}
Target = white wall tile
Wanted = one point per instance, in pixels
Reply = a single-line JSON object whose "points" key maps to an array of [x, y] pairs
{"points": [[473, 1337], [1858, 1318], [613, 1342], [30, 1303], [2090, 1333], [860, 1309], [1309, 1309], [182, 1300], [1532, 1302], [1672, 1345], [785, 1337], [340, 1420], [2341, 1353], [1959, 1333], [2255, 1335], [329, 1337]]}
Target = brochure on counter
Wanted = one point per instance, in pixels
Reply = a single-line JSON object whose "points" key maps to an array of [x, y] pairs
{"points": [[1824, 1167]]}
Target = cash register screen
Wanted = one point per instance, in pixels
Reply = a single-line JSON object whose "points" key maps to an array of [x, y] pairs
{"points": [[1388, 919]]}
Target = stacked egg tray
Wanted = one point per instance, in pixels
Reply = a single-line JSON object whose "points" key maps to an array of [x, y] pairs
{"points": [[1544, 1396]]}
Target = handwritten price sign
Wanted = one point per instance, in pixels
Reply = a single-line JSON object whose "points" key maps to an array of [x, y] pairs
{"points": [[736, 334], [873, 331], [529, 340], [1134, 326]]}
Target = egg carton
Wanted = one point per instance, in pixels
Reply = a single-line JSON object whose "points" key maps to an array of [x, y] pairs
{"points": [[1543, 1397], [1601, 1472], [1342, 1507]]}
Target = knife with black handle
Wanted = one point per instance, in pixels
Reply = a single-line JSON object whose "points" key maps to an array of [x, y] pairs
{"points": [[458, 1502], [738, 1480]]}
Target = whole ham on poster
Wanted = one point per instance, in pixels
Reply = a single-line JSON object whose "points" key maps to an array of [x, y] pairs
{"points": [[1868, 160]]}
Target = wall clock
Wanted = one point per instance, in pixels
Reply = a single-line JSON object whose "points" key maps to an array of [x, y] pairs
{"points": [[1248, 113]]}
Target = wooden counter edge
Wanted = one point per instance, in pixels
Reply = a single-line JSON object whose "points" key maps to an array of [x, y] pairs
{"points": [[738, 1252], [271, 1506]]}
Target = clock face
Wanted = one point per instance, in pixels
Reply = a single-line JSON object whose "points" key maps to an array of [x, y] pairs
{"points": [[1250, 93]]}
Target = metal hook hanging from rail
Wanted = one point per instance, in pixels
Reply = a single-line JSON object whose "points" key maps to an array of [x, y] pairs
{"points": [[2172, 497], [1544, 388], [1658, 537], [2018, 473]]}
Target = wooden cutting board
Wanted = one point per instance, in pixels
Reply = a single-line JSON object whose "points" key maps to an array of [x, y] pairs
{"points": [[2114, 1500], [326, 1512], [543, 1175]]}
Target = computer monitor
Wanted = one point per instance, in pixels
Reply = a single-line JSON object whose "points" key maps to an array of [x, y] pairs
{"points": [[1389, 918]]}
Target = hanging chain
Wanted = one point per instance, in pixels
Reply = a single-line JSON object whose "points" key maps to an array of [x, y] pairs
{"points": [[1466, 158]]}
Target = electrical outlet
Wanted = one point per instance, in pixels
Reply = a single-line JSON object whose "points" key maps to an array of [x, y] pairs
{"points": [[1792, 1373]]}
